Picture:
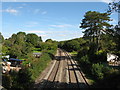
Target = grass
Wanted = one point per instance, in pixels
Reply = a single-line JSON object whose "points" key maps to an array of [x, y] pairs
{"points": [[39, 64], [36, 50], [74, 53]]}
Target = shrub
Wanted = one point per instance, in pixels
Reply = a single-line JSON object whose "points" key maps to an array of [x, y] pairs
{"points": [[84, 60], [97, 71], [83, 51]]}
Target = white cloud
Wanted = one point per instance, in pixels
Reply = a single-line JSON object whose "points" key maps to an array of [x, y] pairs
{"points": [[61, 26], [43, 35], [24, 4], [31, 24], [44, 12], [35, 31], [20, 7], [36, 11], [39, 11], [11, 11], [107, 1], [113, 22]]}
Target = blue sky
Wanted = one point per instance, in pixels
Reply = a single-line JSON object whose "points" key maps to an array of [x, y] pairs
{"points": [[58, 21]]}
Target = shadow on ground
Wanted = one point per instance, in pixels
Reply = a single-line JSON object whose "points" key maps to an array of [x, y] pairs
{"points": [[49, 85]]}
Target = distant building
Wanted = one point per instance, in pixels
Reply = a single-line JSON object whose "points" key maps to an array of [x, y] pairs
{"points": [[5, 67], [113, 59], [37, 55], [7, 56], [15, 62]]}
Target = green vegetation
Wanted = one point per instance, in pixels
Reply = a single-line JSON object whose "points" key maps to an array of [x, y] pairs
{"points": [[22, 46], [98, 40], [73, 53], [90, 51]]}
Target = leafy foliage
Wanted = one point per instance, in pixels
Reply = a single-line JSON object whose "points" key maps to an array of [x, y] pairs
{"points": [[22, 46], [95, 24], [97, 71]]}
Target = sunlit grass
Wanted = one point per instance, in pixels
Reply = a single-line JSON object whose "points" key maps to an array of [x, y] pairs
{"points": [[73, 53]]}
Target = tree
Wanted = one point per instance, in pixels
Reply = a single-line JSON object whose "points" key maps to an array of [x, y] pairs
{"points": [[49, 40], [73, 45], [15, 51], [114, 6], [33, 39], [20, 38], [1, 38], [95, 24], [40, 39], [97, 71]]}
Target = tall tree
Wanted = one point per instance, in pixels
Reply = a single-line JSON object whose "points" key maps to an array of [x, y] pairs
{"points": [[21, 37], [95, 24], [115, 7], [33, 39], [49, 40]]}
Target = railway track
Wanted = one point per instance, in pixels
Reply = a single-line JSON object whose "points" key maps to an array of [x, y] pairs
{"points": [[79, 78], [63, 72]]}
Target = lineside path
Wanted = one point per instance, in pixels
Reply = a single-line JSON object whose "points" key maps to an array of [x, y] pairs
{"points": [[63, 72]]}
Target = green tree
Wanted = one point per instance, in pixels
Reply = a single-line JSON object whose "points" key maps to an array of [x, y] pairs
{"points": [[97, 71], [40, 39], [49, 40], [95, 24], [20, 38], [1, 38], [73, 45], [33, 39], [15, 51]]}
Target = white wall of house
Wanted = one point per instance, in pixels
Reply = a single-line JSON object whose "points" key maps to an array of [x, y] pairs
{"points": [[111, 57]]}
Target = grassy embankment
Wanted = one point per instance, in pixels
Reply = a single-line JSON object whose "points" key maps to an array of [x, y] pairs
{"points": [[37, 65]]}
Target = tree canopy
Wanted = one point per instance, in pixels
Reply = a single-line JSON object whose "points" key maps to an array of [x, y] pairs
{"points": [[95, 24]]}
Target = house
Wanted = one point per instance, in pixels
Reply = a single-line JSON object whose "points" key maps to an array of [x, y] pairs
{"points": [[5, 67], [37, 55], [112, 58], [11, 64], [15, 62], [7, 56]]}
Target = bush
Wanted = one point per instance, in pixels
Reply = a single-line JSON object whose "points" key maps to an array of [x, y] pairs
{"points": [[6, 81], [96, 71], [83, 51], [39, 64], [101, 56], [84, 60], [110, 81]]}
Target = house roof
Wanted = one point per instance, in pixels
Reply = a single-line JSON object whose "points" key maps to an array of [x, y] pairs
{"points": [[13, 59], [37, 53]]}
